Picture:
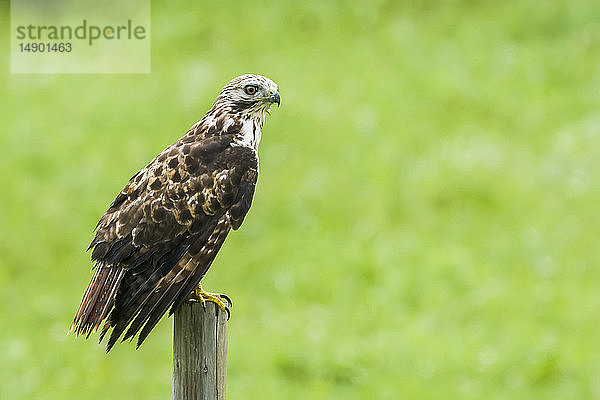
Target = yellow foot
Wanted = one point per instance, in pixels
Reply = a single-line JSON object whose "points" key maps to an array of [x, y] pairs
{"points": [[200, 295]]}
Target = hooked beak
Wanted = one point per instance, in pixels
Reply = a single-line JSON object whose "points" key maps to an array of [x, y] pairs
{"points": [[275, 98]]}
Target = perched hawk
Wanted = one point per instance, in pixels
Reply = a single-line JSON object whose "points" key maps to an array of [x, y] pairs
{"points": [[160, 235]]}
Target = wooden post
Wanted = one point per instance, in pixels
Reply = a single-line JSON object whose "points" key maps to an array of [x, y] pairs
{"points": [[199, 352]]}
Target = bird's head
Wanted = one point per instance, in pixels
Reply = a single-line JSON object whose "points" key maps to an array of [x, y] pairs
{"points": [[249, 95]]}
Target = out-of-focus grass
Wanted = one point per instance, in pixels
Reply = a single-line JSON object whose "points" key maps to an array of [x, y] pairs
{"points": [[425, 224]]}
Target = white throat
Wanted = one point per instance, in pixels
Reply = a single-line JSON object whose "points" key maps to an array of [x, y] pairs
{"points": [[249, 135]]}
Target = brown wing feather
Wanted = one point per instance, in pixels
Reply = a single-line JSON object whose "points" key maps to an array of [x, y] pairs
{"points": [[176, 286], [157, 239]]}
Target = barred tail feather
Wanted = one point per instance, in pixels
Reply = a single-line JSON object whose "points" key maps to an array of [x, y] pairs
{"points": [[98, 299]]}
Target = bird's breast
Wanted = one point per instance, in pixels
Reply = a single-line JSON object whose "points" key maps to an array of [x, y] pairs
{"points": [[249, 135]]}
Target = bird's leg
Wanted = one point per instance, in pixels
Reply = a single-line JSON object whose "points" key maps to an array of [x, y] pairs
{"points": [[200, 295]]}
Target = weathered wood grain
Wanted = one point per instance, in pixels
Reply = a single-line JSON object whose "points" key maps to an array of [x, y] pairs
{"points": [[199, 352]]}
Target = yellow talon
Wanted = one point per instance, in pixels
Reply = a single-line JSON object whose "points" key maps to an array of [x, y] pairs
{"points": [[200, 295]]}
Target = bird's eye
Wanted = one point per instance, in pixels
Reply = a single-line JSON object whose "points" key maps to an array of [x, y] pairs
{"points": [[250, 89]]}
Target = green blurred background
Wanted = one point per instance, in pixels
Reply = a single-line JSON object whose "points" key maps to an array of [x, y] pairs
{"points": [[425, 224]]}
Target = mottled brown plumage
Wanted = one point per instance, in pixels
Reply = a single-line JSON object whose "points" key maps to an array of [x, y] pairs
{"points": [[163, 230]]}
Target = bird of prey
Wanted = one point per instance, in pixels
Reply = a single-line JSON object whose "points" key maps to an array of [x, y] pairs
{"points": [[163, 230]]}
